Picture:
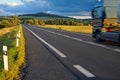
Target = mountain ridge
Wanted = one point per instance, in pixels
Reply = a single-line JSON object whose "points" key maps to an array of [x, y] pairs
{"points": [[42, 14]]}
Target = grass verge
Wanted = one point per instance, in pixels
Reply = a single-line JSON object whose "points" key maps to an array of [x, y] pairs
{"points": [[5, 30], [82, 29], [16, 55]]}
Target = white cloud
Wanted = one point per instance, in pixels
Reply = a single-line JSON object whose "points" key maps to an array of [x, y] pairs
{"points": [[53, 12], [11, 4], [36, 3], [85, 13], [5, 13], [27, 0], [81, 17]]}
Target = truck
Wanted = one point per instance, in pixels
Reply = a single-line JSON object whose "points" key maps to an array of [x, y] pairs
{"points": [[106, 20]]}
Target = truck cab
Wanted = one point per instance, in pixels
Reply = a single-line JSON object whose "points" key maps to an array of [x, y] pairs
{"points": [[105, 20]]}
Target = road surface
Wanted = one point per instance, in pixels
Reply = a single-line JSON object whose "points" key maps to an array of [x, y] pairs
{"points": [[60, 55]]}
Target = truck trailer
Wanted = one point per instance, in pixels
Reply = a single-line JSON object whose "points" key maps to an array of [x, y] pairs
{"points": [[106, 20]]}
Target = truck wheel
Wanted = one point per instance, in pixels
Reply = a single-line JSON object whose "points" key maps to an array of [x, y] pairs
{"points": [[98, 37]]}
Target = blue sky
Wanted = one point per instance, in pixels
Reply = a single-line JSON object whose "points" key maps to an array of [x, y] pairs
{"points": [[60, 7]]}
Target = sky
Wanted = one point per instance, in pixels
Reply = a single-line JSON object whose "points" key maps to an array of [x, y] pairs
{"points": [[59, 7]]}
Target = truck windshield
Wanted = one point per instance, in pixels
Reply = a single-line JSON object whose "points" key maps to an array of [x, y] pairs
{"points": [[97, 12]]}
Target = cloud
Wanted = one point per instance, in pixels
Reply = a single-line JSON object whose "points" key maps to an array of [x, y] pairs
{"points": [[27, 0], [72, 7], [10, 4], [33, 6], [36, 3], [60, 7], [85, 13], [81, 17], [5, 13]]}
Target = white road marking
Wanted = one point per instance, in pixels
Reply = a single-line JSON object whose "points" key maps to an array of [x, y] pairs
{"points": [[49, 45], [77, 39], [84, 71], [96, 44], [63, 35], [118, 50], [103, 46]]}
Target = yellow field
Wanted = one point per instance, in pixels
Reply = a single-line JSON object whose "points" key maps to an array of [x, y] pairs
{"points": [[5, 30], [83, 29]]}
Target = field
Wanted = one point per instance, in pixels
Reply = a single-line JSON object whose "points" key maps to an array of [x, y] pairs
{"points": [[16, 55], [82, 29], [5, 30]]}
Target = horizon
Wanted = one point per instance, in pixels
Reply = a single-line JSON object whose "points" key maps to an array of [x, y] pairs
{"points": [[76, 17]]}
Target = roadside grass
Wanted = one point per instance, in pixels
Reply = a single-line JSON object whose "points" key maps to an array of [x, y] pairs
{"points": [[5, 30], [16, 55], [82, 29]]}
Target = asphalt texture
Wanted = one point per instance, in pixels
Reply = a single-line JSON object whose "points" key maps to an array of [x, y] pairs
{"points": [[100, 59]]}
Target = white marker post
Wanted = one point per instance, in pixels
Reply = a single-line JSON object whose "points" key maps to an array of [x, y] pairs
{"points": [[5, 58], [17, 40]]}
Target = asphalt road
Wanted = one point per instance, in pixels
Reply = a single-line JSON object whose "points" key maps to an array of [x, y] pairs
{"points": [[60, 55]]}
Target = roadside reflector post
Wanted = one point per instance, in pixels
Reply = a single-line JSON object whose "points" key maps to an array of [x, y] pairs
{"points": [[17, 40], [5, 58]]}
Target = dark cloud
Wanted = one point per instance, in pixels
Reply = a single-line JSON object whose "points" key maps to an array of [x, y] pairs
{"points": [[61, 7], [72, 5]]}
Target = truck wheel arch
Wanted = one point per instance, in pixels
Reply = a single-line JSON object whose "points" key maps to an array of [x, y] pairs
{"points": [[97, 32]]}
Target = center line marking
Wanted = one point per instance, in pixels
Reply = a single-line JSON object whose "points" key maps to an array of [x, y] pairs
{"points": [[49, 45], [84, 71], [118, 50], [77, 39]]}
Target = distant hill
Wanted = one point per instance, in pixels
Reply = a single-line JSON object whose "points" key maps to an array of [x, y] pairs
{"points": [[55, 19], [44, 16], [41, 14]]}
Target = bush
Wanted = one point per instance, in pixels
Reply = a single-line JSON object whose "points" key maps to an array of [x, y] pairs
{"points": [[9, 22], [34, 22]]}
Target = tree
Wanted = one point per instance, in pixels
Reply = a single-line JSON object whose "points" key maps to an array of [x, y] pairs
{"points": [[9, 21], [16, 20], [30, 21], [41, 22], [5, 23], [36, 22]]}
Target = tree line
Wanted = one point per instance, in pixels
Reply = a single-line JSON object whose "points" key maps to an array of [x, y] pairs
{"points": [[71, 22], [9, 22], [34, 22], [14, 20], [58, 22]]}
